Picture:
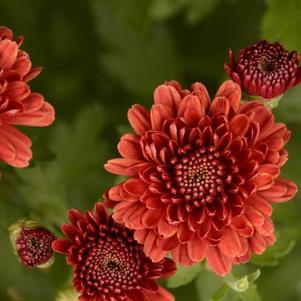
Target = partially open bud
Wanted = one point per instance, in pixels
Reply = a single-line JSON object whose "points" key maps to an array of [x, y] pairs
{"points": [[265, 70], [32, 244]]}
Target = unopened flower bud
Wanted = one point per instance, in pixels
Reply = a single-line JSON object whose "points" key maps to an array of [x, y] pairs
{"points": [[32, 244]]}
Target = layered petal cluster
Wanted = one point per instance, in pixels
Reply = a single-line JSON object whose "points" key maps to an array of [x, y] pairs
{"points": [[202, 176], [18, 105], [32, 244], [108, 264], [264, 69]]}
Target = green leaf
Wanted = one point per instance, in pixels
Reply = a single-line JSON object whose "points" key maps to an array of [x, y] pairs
{"points": [[289, 108], [250, 294], [163, 9], [237, 284], [206, 284], [220, 293], [282, 23], [272, 255], [44, 192], [198, 10], [135, 59], [184, 275], [254, 276], [243, 287], [195, 10]]}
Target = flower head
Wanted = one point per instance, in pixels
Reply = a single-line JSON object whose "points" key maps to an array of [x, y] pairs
{"points": [[202, 176], [108, 264], [265, 69], [18, 105], [32, 244]]}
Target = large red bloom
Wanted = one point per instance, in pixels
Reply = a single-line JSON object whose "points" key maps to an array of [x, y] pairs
{"points": [[18, 105], [108, 264], [203, 176], [265, 69]]}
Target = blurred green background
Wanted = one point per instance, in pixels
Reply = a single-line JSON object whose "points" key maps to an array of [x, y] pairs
{"points": [[101, 56]]}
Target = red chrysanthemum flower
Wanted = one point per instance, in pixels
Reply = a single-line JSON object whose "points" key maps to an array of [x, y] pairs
{"points": [[203, 176], [32, 244], [265, 69], [108, 264], [18, 105]]}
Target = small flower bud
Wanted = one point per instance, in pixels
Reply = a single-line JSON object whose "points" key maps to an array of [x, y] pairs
{"points": [[32, 244], [265, 70]]}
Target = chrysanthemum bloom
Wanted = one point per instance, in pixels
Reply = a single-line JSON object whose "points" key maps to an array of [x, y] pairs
{"points": [[108, 264], [203, 176], [265, 69], [18, 105], [32, 244]]}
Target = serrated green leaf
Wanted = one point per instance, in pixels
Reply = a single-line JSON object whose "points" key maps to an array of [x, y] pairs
{"points": [[282, 23], [135, 59], [44, 191], [184, 275]]}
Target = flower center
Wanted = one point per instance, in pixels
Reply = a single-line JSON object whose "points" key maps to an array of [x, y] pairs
{"points": [[34, 246], [199, 177], [112, 265], [267, 65]]}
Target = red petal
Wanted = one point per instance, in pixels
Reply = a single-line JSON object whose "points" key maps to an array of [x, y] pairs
{"points": [[243, 226], [167, 95], [220, 105], [191, 109], [168, 244], [139, 119], [33, 73], [114, 193], [219, 263], [239, 125], [61, 246], [165, 229], [151, 218], [135, 187], [260, 204], [160, 295], [180, 255], [8, 53], [129, 147], [230, 243], [15, 147], [255, 217], [257, 243], [196, 250], [150, 247], [123, 167], [101, 213], [159, 113], [282, 191], [184, 234], [169, 268], [17, 90], [232, 92]]}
